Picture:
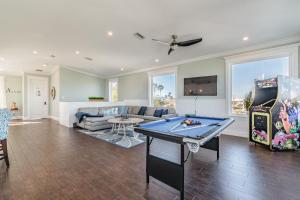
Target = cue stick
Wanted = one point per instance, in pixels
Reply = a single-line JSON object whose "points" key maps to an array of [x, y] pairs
{"points": [[185, 129], [174, 127]]}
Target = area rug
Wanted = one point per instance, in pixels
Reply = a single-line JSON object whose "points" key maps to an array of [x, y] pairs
{"points": [[132, 139]]}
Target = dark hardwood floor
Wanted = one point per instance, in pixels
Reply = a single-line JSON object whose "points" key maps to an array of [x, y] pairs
{"points": [[49, 161]]}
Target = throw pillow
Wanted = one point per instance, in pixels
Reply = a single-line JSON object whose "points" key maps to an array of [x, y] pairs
{"points": [[108, 112], [158, 113], [123, 110], [142, 110], [165, 112]]}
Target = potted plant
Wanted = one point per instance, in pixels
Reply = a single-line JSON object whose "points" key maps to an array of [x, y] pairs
{"points": [[248, 100], [96, 99]]}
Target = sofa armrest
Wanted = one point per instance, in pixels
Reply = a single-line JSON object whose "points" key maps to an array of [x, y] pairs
{"points": [[169, 116]]}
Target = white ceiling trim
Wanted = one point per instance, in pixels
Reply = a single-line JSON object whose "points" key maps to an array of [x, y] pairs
{"points": [[83, 72], [5, 73], [278, 43], [55, 68]]}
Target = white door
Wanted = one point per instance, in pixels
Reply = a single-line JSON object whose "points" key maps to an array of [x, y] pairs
{"points": [[38, 97]]}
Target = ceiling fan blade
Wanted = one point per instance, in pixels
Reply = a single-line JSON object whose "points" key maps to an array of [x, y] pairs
{"points": [[162, 42], [189, 42], [170, 51]]}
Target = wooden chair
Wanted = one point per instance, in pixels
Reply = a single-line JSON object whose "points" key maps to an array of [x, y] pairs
{"points": [[5, 116]]}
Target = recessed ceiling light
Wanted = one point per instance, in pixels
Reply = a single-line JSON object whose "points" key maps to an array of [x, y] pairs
{"points": [[156, 60], [35, 52], [109, 33], [245, 38], [77, 52], [44, 65], [122, 69], [2, 59]]}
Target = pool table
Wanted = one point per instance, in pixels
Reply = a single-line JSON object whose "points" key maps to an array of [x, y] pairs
{"points": [[203, 132]]}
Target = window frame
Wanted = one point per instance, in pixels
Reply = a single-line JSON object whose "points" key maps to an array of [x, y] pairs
{"points": [[290, 51], [171, 70], [110, 81]]}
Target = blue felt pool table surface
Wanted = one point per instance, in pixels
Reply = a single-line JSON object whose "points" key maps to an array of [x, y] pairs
{"points": [[164, 126]]}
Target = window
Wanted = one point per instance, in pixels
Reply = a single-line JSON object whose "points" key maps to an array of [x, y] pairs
{"points": [[163, 89], [113, 90], [244, 74], [243, 70]]}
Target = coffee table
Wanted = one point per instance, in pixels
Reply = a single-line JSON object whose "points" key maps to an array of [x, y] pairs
{"points": [[121, 124]]}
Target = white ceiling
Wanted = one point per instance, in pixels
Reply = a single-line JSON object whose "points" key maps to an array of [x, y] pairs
{"points": [[61, 27]]}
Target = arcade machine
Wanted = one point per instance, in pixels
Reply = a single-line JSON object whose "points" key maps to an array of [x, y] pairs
{"points": [[274, 115]]}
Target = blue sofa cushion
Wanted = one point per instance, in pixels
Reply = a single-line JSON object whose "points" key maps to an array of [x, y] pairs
{"points": [[142, 110], [158, 113], [165, 112]]}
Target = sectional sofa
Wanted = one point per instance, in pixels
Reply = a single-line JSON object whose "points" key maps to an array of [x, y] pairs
{"points": [[98, 123]]}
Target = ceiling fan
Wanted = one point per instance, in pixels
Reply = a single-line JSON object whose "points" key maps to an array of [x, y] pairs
{"points": [[174, 44]]}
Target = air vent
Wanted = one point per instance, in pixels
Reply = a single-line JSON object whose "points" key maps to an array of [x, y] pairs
{"points": [[52, 56], [139, 36], [38, 70], [88, 58]]}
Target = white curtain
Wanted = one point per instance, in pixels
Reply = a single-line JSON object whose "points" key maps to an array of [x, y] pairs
{"points": [[2, 93]]}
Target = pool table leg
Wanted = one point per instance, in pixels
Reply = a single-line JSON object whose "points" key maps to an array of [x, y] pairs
{"points": [[182, 165], [147, 158], [218, 148], [213, 144]]}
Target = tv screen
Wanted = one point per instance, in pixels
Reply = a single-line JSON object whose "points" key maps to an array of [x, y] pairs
{"points": [[200, 86]]}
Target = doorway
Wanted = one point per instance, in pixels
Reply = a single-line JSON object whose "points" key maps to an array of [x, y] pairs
{"points": [[38, 97]]}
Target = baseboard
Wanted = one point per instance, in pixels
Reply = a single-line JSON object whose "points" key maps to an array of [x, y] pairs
{"points": [[18, 117], [25, 118], [54, 118], [235, 133]]}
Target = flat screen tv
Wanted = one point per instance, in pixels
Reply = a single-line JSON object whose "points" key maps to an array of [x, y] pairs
{"points": [[200, 86]]}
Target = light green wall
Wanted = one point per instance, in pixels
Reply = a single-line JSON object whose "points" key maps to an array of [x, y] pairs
{"points": [[77, 87], [13, 88], [208, 67], [134, 86], [299, 61]]}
